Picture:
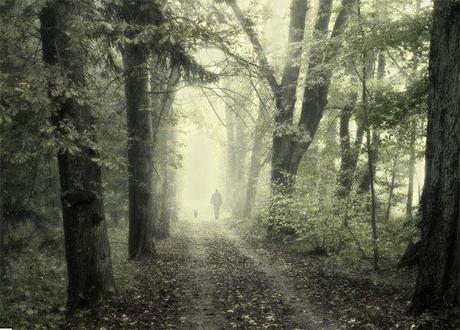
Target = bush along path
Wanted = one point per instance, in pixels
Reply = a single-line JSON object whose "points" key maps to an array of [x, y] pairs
{"points": [[206, 277]]}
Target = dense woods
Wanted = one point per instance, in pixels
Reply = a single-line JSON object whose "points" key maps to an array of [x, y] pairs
{"points": [[229, 164]]}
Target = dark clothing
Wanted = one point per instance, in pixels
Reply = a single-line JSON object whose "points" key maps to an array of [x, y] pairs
{"points": [[216, 201]]}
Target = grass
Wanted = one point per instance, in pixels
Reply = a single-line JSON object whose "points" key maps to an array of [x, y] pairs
{"points": [[34, 295]]}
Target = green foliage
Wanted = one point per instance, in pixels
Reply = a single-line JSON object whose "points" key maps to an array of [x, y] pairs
{"points": [[34, 295]]}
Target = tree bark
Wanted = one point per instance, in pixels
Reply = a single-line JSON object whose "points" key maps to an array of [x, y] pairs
{"points": [[438, 284], [412, 142], [242, 142], [288, 149], [5, 66], [3, 231], [255, 163], [369, 149], [87, 248], [348, 154], [230, 122], [164, 80], [237, 150], [391, 191], [411, 170], [140, 137], [285, 92], [365, 180]]}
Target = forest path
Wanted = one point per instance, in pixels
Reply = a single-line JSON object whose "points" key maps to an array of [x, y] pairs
{"points": [[206, 277], [232, 285]]}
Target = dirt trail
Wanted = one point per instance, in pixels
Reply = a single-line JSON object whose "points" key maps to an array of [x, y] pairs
{"points": [[197, 303], [205, 277], [231, 285]]}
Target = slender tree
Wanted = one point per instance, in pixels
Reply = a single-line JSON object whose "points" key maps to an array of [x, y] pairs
{"points": [[140, 133], [256, 161], [87, 248], [349, 152], [164, 81], [411, 169], [231, 146], [438, 284]]}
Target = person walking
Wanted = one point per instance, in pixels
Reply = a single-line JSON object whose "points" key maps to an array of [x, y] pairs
{"points": [[216, 202]]}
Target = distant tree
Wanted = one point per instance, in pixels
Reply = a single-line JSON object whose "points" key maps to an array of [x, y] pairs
{"points": [[438, 284], [258, 158], [87, 248]]}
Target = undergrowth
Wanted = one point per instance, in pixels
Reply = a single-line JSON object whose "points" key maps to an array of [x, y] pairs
{"points": [[34, 293]]}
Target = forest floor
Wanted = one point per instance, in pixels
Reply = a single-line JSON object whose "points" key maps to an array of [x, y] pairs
{"points": [[207, 277]]}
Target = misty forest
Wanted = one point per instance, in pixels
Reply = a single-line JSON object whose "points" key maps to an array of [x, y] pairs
{"points": [[230, 164]]}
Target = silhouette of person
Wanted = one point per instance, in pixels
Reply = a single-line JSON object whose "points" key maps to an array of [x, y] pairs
{"points": [[216, 202]]}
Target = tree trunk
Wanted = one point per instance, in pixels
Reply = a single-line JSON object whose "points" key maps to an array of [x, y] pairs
{"points": [[412, 141], [391, 191], [163, 82], [163, 148], [256, 163], [230, 127], [140, 137], [365, 182], [411, 171], [241, 151], [289, 149], [348, 154], [3, 231], [370, 151], [438, 284], [87, 248], [5, 66]]}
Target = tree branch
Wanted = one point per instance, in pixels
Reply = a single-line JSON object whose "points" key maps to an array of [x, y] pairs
{"points": [[247, 26]]}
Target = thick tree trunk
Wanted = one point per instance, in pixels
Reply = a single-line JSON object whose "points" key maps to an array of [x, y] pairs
{"points": [[163, 82], [165, 193], [87, 248], [5, 66], [438, 284], [281, 176], [289, 149], [3, 231], [140, 137]]}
